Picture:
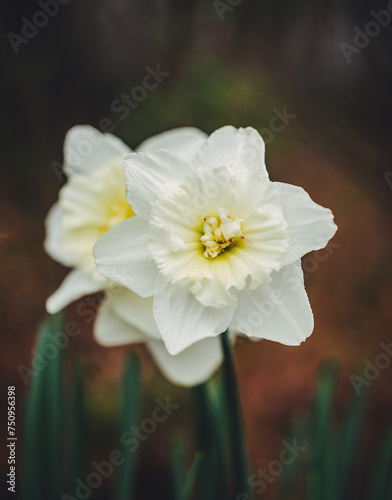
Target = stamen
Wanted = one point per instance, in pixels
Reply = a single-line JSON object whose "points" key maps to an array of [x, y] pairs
{"points": [[218, 238]]}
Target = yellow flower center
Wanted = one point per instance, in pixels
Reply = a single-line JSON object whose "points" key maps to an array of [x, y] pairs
{"points": [[116, 213], [218, 237]]}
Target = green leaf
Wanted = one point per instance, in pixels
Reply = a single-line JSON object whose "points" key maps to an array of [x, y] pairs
{"points": [[210, 429], [291, 470], [129, 417], [381, 486], [77, 429], [317, 476], [205, 443], [44, 418], [349, 443], [178, 456], [191, 476]]}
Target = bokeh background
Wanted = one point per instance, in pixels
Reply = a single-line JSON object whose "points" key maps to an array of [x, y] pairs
{"points": [[227, 64]]}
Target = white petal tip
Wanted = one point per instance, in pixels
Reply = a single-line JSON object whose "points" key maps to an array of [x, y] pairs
{"points": [[51, 306]]}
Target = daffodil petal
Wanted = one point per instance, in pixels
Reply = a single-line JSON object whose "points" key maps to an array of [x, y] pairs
{"points": [[135, 310], [183, 320], [193, 366], [54, 230], [240, 150], [75, 285], [147, 174], [87, 149], [91, 204], [309, 225], [110, 330], [279, 311], [121, 256], [185, 142]]}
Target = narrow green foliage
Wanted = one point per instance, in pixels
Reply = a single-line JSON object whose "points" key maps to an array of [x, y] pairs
{"points": [[178, 460], [54, 445], [212, 439], [44, 418], [330, 466], [349, 444], [317, 483], [381, 487], [183, 482], [129, 417], [205, 441], [288, 478], [191, 476], [77, 436]]}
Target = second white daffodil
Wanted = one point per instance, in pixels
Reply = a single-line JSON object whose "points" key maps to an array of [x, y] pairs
{"points": [[90, 203]]}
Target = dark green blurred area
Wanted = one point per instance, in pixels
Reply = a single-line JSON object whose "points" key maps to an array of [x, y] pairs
{"points": [[260, 58], [234, 70], [320, 458]]}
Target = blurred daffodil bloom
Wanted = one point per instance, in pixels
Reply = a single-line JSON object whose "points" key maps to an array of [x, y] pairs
{"points": [[92, 202]]}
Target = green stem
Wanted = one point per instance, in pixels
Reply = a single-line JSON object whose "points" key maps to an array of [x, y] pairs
{"points": [[235, 423]]}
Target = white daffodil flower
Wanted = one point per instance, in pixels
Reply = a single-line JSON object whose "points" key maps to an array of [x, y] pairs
{"points": [[90, 203], [216, 243]]}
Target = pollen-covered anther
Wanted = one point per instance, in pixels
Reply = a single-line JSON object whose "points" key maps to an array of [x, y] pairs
{"points": [[217, 238]]}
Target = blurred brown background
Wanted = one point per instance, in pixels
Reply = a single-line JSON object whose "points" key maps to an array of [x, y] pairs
{"points": [[227, 65]]}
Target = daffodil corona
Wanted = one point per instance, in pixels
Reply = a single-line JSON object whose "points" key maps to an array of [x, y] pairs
{"points": [[213, 240]]}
